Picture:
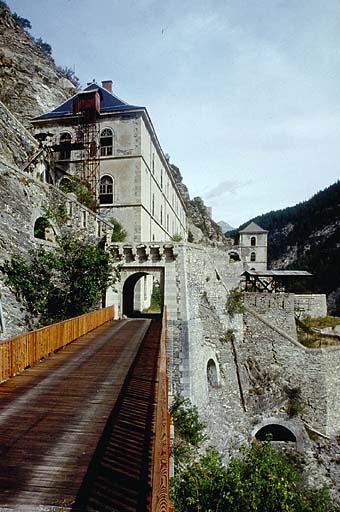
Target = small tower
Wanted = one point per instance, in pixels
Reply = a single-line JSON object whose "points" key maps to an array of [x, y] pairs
{"points": [[253, 245]]}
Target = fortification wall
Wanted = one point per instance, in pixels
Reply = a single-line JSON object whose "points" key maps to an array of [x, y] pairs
{"points": [[203, 362], [272, 361], [23, 200], [312, 305]]}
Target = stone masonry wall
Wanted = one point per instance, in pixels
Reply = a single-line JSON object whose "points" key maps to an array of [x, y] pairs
{"points": [[199, 343], [255, 369], [271, 360], [312, 305], [23, 200]]}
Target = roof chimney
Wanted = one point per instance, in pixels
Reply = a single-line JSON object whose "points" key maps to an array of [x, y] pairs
{"points": [[107, 84]]}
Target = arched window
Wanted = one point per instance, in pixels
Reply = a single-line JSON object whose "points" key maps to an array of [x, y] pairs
{"points": [[106, 190], [43, 229], [65, 146], [106, 142], [212, 373], [253, 256], [253, 241]]}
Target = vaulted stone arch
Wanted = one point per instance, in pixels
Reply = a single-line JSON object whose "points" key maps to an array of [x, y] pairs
{"points": [[134, 298], [281, 430]]}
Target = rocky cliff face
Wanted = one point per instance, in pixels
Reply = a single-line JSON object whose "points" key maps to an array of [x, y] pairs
{"points": [[30, 84], [201, 225]]}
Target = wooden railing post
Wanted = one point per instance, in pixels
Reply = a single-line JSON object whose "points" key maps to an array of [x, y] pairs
{"points": [[159, 501]]}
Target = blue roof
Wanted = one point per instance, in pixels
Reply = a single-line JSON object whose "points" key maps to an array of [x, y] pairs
{"points": [[108, 103]]}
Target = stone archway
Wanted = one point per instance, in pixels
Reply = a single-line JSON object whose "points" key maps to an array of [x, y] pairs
{"points": [[134, 296], [282, 430]]}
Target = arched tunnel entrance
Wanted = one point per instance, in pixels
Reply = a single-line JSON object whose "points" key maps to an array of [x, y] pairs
{"points": [[143, 293], [276, 432]]}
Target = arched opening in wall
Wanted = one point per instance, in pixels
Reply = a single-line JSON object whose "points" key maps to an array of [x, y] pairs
{"points": [[65, 146], [106, 142], [212, 376], [143, 294], [106, 190], [276, 432], [253, 241], [234, 256], [43, 230], [253, 256], [64, 182]]}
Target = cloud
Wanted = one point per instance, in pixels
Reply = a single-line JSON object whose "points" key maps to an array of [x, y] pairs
{"points": [[226, 187]]}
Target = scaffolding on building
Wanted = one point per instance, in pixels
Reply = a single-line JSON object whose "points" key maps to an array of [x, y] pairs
{"points": [[86, 107]]}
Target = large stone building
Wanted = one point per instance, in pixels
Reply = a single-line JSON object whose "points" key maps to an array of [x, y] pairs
{"points": [[113, 146]]}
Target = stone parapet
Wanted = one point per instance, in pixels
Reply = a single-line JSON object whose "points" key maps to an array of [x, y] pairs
{"points": [[312, 305]]}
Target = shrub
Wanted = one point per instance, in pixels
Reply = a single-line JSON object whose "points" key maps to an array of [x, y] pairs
{"points": [[46, 48], [258, 480], [63, 283], [234, 302], [56, 210], [228, 336], [295, 404], [188, 430], [69, 74], [176, 237], [119, 234], [23, 22], [82, 191]]}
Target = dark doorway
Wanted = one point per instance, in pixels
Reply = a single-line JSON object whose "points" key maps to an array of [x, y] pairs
{"points": [[276, 433]]}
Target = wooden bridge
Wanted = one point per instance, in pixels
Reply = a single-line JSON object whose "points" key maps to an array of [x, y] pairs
{"points": [[87, 428]]}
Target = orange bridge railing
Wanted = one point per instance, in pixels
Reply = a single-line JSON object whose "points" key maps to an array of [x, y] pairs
{"points": [[18, 353], [161, 447]]}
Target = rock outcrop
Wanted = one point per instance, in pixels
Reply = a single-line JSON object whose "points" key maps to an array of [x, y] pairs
{"points": [[30, 83], [203, 229]]}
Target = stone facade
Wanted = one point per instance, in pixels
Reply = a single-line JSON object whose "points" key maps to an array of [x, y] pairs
{"points": [[144, 196]]}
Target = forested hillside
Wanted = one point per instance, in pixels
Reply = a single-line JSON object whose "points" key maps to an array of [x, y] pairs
{"points": [[307, 236]]}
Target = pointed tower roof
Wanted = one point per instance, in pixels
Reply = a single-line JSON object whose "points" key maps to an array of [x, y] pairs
{"points": [[108, 103], [253, 228]]}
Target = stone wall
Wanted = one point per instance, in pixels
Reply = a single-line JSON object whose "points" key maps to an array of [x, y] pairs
{"points": [[272, 361], [23, 200], [257, 367], [312, 305], [16, 143]]}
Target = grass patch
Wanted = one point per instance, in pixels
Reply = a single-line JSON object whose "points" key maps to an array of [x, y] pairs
{"points": [[327, 321]]}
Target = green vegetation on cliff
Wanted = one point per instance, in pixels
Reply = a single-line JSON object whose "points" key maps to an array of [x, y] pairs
{"points": [[61, 283], [258, 479]]}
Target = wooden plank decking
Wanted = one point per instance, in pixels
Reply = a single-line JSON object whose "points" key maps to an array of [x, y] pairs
{"points": [[53, 415]]}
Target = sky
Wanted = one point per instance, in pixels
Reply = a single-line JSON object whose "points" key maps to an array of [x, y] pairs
{"points": [[244, 94]]}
